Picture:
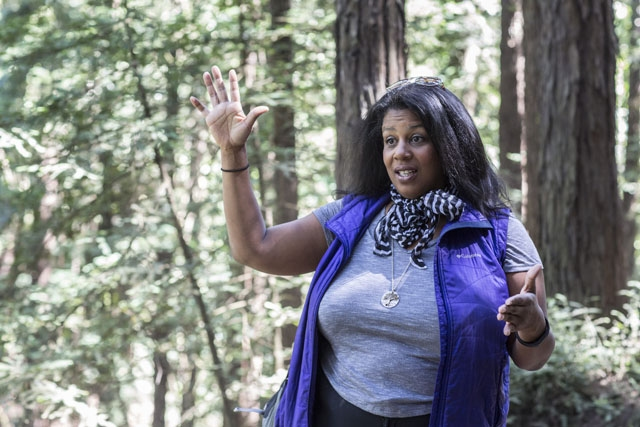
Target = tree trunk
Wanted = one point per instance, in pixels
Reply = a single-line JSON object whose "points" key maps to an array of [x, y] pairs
{"points": [[161, 375], [512, 99], [632, 153], [188, 406], [574, 210], [371, 54], [284, 141]]}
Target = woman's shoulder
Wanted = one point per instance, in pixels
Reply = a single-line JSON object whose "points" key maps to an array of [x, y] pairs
{"points": [[325, 212], [522, 253], [363, 204]]}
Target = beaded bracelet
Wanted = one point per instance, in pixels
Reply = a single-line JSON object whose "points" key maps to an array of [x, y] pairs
{"points": [[541, 338], [244, 168]]}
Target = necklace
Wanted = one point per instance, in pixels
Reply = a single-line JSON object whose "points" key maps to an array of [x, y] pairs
{"points": [[391, 298]]}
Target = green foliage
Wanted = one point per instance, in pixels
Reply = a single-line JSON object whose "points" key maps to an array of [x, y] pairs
{"points": [[593, 376], [460, 41], [94, 109]]}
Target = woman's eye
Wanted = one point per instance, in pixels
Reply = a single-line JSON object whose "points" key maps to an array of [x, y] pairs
{"points": [[417, 139], [389, 141]]}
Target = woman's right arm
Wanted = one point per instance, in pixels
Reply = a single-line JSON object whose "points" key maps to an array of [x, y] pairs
{"points": [[291, 248]]}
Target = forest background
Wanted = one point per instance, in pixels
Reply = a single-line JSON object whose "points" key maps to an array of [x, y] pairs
{"points": [[120, 305]]}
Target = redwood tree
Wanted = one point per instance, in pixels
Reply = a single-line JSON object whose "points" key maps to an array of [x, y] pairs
{"points": [[573, 207], [632, 152], [371, 53], [284, 142], [512, 97]]}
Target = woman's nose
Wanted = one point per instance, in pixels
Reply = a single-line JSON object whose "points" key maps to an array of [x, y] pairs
{"points": [[403, 150]]}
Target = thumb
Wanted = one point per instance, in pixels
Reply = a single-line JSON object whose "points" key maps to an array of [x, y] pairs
{"points": [[254, 114], [530, 280]]}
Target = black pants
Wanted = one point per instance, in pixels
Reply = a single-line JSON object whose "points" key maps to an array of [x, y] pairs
{"points": [[331, 410]]}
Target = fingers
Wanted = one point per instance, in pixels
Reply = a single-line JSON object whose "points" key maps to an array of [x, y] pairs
{"points": [[208, 83], [233, 86], [530, 280], [222, 105], [216, 88], [521, 310], [199, 105], [218, 85], [508, 329], [514, 313]]}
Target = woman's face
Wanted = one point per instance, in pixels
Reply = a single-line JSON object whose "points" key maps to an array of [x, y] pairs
{"points": [[409, 155]]}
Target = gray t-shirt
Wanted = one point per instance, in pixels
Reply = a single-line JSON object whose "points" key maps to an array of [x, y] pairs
{"points": [[382, 360]]}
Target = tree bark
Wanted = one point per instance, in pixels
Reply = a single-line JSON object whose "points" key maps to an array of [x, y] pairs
{"points": [[284, 137], [370, 54], [511, 114], [284, 141], [189, 400], [161, 375], [574, 210], [632, 152]]}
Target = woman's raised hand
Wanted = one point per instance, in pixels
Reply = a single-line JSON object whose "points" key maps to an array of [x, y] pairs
{"points": [[226, 121]]}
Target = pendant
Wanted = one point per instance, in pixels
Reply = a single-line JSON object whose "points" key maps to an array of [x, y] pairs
{"points": [[390, 299]]}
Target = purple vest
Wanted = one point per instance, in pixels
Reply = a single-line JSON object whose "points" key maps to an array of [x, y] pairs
{"points": [[473, 377]]}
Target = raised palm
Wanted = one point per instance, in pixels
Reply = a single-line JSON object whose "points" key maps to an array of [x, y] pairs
{"points": [[227, 123]]}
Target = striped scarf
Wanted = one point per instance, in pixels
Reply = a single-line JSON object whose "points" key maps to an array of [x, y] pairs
{"points": [[414, 220]]}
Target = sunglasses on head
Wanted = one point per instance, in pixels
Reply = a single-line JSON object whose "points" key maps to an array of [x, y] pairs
{"points": [[425, 81]]}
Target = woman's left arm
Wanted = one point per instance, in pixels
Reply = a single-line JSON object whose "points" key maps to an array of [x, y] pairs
{"points": [[525, 313]]}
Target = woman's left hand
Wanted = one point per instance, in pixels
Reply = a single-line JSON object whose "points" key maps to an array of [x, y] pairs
{"points": [[522, 312]]}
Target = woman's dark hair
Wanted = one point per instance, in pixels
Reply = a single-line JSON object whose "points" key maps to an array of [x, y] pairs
{"points": [[452, 131]]}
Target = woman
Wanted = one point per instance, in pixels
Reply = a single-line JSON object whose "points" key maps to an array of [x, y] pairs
{"points": [[424, 283]]}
